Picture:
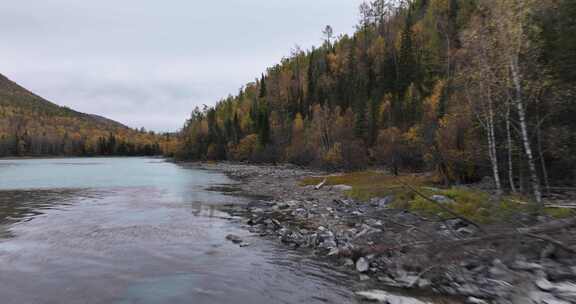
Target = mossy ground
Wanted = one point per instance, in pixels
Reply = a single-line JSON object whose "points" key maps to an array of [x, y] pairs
{"points": [[370, 184], [471, 203]]}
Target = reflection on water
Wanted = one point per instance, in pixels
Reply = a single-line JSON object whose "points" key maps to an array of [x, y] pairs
{"points": [[18, 206]]}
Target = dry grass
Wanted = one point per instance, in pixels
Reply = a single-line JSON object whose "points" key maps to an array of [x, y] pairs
{"points": [[469, 202], [369, 184]]}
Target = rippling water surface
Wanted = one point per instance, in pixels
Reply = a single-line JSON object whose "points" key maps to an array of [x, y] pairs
{"points": [[139, 230]]}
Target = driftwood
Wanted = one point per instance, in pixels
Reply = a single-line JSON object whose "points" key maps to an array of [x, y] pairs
{"points": [[321, 184]]}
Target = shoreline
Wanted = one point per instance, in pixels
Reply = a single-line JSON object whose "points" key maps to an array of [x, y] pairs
{"points": [[364, 238], [77, 157]]}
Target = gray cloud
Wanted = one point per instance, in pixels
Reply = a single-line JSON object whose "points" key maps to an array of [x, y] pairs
{"points": [[148, 62]]}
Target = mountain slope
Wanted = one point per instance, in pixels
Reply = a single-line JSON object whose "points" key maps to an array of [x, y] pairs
{"points": [[463, 88], [32, 125]]}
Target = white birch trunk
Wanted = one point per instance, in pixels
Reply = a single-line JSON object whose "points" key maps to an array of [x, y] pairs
{"points": [[492, 148], [509, 147], [535, 181]]}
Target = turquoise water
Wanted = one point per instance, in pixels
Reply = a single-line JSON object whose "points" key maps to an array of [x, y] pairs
{"points": [[139, 230], [100, 173]]}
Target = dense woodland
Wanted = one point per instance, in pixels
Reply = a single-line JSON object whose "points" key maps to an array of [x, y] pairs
{"points": [[32, 126], [467, 89]]}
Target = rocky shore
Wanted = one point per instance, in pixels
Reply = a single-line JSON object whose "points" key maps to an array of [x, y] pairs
{"points": [[396, 248]]}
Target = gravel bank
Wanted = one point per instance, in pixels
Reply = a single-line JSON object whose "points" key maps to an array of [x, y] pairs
{"points": [[395, 248]]}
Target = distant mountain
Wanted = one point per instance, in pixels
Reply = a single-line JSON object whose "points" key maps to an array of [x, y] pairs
{"points": [[12, 94], [32, 125]]}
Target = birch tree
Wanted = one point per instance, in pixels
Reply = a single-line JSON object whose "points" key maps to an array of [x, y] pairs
{"points": [[481, 76], [510, 19]]}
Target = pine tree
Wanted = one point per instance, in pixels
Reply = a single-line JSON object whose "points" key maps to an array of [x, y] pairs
{"points": [[407, 58], [262, 93], [263, 128]]}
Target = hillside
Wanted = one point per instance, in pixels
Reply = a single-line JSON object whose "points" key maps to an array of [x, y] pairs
{"points": [[465, 89], [31, 125]]}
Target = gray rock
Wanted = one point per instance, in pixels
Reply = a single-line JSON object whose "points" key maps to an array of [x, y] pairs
{"points": [[544, 298], [558, 272], [363, 277], [234, 239], [362, 265], [342, 187], [329, 244], [547, 251], [382, 202], [374, 222], [565, 291], [473, 300], [500, 272], [282, 206], [544, 284], [366, 230], [348, 262], [381, 296], [525, 266], [549, 299], [466, 231], [442, 199], [424, 283]]}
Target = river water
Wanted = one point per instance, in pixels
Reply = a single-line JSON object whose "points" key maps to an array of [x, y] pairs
{"points": [[139, 230]]}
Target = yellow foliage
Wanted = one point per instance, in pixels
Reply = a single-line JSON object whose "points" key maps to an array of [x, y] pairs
{"points": [[244, 150], [333, 158]]}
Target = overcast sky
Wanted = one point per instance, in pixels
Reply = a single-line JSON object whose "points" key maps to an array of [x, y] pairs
{"points": [[149, 62]]}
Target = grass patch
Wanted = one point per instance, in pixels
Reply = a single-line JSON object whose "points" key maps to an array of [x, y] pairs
{"points": [[369, 184], [479, 206], [559, 213], [471, 203]]}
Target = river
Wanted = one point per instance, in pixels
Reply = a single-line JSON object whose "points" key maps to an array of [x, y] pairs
{"points": [[139, 230]]}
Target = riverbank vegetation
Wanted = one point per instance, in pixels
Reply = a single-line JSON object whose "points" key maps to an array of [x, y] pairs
{"points": [[464, 89], [413, 192]]}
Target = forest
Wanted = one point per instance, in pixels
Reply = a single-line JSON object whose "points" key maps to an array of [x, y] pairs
{"points": [[466, 89], [33, 126]]}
